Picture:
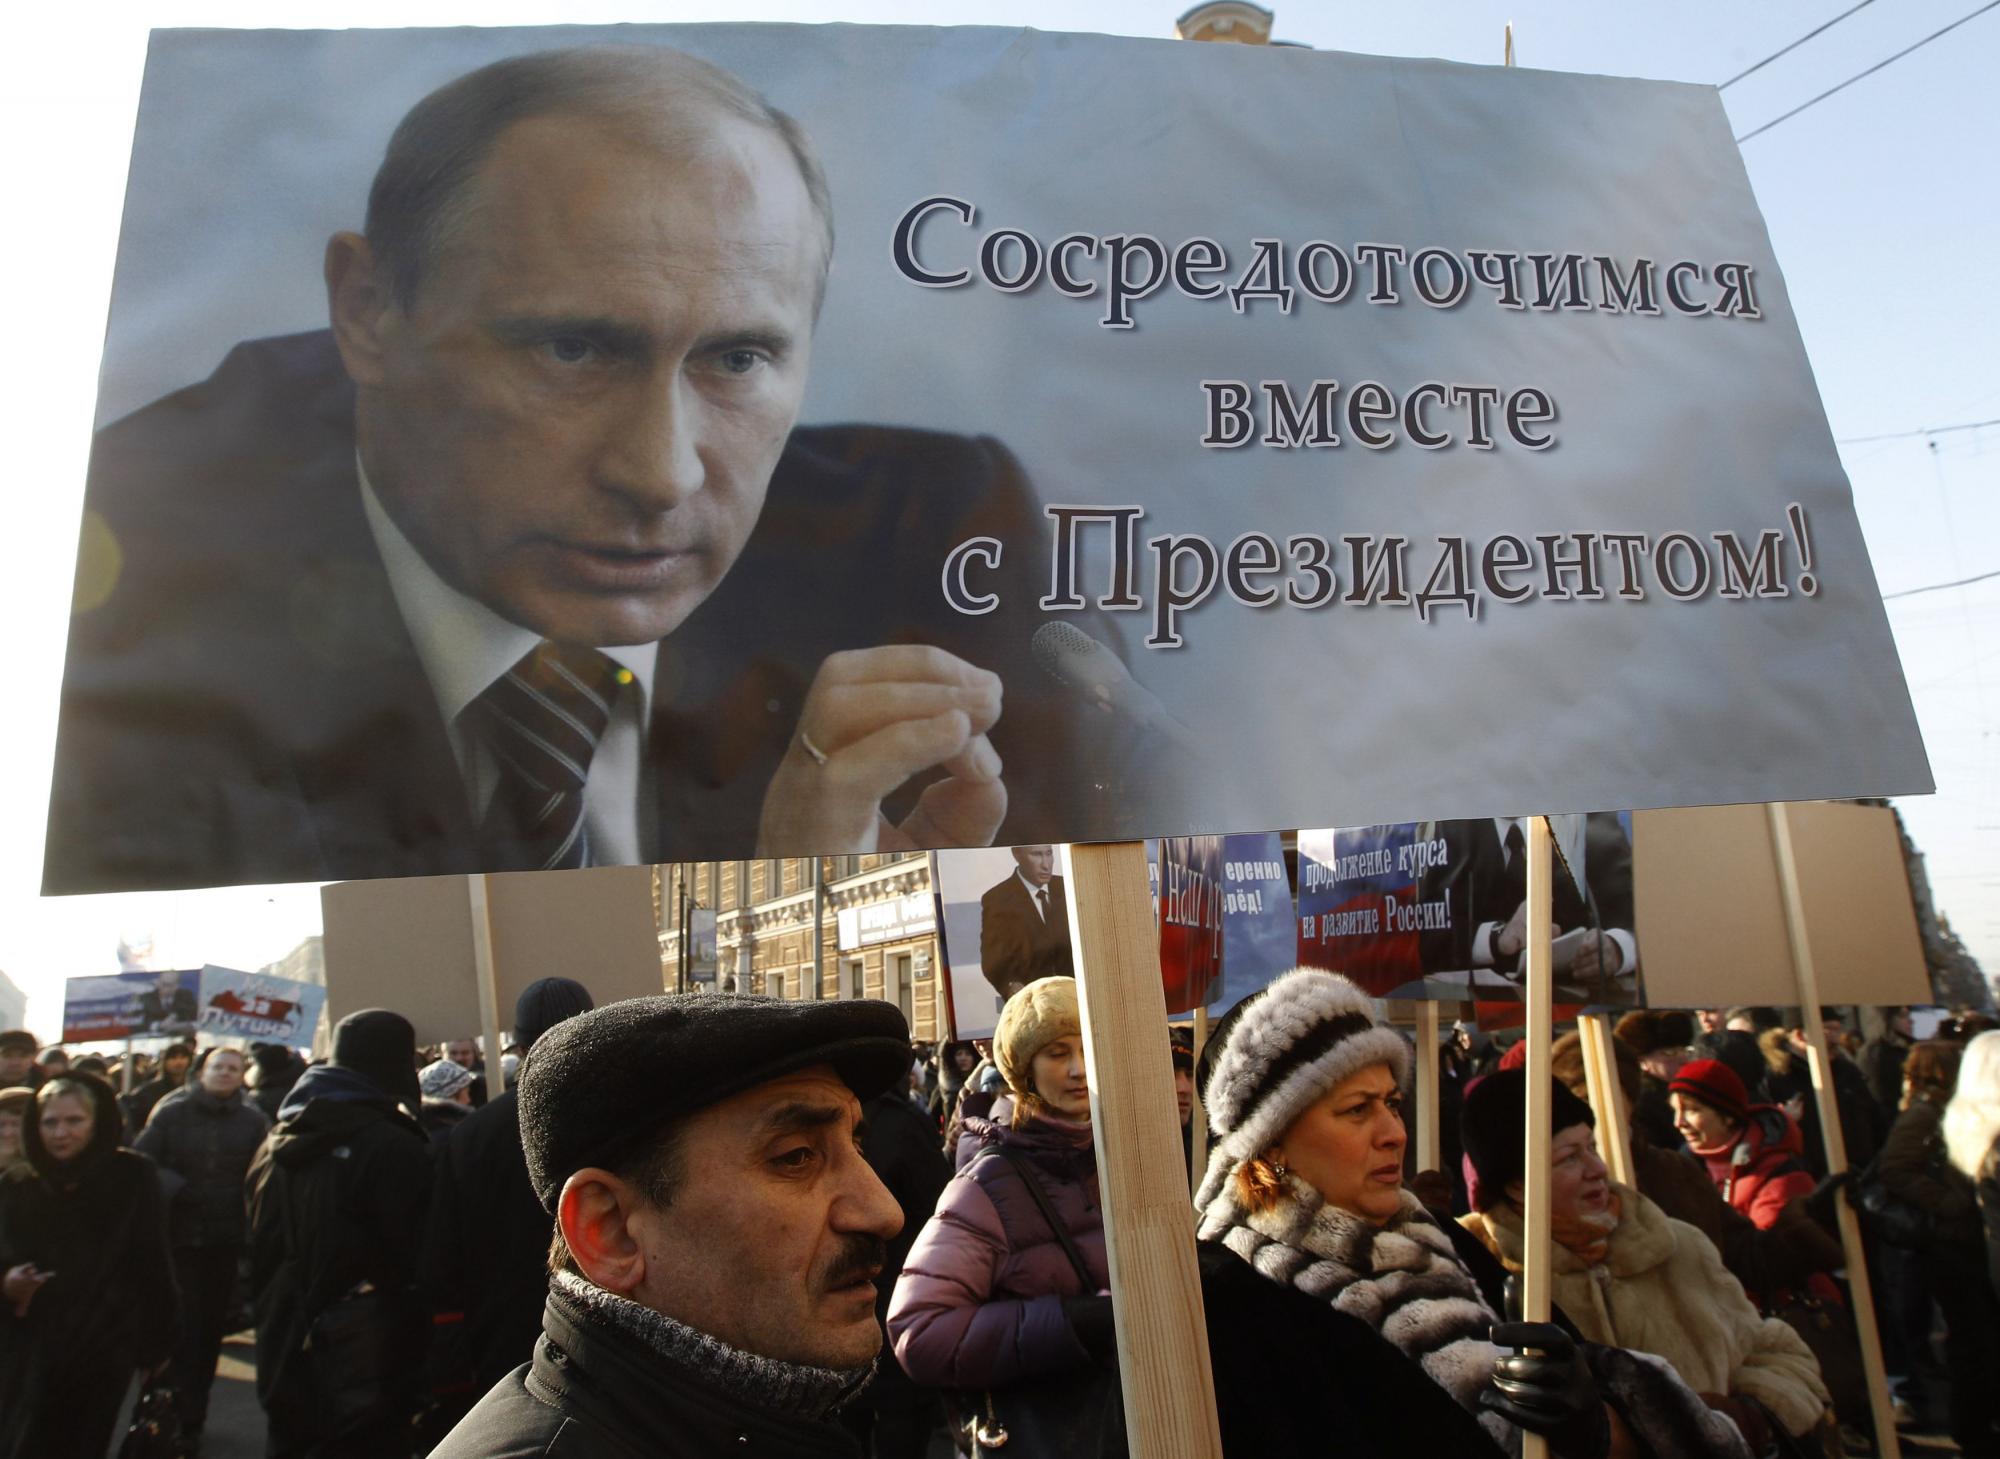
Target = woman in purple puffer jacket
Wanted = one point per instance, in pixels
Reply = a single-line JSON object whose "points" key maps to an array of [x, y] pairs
{"points": [[988, 1298]]}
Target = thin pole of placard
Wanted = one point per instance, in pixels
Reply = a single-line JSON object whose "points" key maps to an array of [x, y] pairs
{"points": [[488, 980], [125, 1071], [1820, 1063], [1197, 1116], [1538, 999], [1607, 1096], [1427, 1086], [1148, 1219]]}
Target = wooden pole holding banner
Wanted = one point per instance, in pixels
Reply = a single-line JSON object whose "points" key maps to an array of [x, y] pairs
{"points": [[1607, 1097], [1427, 1086], [1148, 1221], [489, 985], [1536, 1250], [1820, 1063]]}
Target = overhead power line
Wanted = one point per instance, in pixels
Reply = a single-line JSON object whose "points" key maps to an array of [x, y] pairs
{"points": [[1795, 44], [1970, 425], [1940, 587], [1862, 75]]}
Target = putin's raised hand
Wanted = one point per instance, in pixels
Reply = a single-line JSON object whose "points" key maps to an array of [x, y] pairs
{"points": [[872, 720]]}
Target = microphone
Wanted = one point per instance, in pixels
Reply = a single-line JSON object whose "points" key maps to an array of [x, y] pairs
{"points": [[1077, 661]]}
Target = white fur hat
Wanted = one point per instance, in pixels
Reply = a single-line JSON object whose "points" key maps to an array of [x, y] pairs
{"points": [[1289, 1045]]}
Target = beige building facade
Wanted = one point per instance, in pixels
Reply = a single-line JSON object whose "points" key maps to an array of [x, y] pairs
{"points": [[873, 918]]}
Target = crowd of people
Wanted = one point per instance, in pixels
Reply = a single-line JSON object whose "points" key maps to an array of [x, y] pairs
{"points": [[709, 1224]]}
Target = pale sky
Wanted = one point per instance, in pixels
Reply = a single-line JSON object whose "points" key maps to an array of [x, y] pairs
{"points": [[1881, 205]]}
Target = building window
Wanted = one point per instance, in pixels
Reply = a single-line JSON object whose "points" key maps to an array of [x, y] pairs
{"points": [[903, 995], [774, 983], [850, 978]]}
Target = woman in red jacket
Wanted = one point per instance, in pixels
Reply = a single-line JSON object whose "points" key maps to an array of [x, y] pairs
{"points": [[1754, 1153]]}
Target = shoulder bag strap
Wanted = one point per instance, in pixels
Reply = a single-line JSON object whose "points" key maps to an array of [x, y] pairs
{"points": [[1026, 1170]]}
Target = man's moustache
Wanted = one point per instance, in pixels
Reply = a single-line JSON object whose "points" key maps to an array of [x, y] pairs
{"points": [[859, 1259]]}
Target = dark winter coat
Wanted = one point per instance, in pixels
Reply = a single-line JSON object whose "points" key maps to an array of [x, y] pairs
{"points": [[980, 1301], [1913, 1168], [98, 1222], [596, 1391], [138, 1105], [485, 1254], [337, 1195], [1296, 1379], [208, 1142], [900, 1146]]}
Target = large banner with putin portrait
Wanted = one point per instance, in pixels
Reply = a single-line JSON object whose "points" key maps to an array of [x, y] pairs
{"points": [[524, 448]]}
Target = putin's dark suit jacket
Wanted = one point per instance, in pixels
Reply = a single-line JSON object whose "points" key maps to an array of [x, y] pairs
{"points": [[1015, 945], [242, 702], [1475, 879]]}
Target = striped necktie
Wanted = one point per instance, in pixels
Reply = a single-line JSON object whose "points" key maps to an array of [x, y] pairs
{"points": [[542, 720]]}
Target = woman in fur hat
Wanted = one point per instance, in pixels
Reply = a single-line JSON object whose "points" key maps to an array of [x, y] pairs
{"points": [[989, 1297], [1337, 1307]]}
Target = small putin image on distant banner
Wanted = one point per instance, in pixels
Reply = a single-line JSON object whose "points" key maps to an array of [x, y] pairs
{"points": [[1006, 924]]}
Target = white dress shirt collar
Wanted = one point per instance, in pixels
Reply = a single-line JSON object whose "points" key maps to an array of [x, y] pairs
{"points": [[463, 644]]}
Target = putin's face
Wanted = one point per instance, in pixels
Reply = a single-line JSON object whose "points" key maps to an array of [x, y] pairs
{"points": [[1037, 863], [576, 420]]}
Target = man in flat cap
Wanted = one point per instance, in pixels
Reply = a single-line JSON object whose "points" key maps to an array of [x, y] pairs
{"points": [[717, 1230]]}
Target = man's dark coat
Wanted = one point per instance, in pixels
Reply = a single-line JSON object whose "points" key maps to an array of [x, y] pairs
{"points": [[1480, 885], [208, 1141], [485, 1255], [242, 702], [337, 1196], [594, 1392], [1017, 945]]}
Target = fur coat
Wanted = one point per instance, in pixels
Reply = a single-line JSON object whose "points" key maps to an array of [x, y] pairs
{"points": [[1402, 1281], [1662, 1289]]}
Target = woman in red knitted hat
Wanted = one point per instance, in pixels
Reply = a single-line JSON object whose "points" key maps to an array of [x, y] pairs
{"points": [[1754, 1153]]}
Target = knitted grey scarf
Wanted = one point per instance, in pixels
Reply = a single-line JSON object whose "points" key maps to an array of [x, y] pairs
{"points": [[1402, 1278], [797, 1389]]}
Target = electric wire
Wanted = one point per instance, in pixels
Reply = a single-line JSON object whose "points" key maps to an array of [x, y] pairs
{"points": [[1724, 86], [1978, 577], [1970, 425], [1862, 75]]}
